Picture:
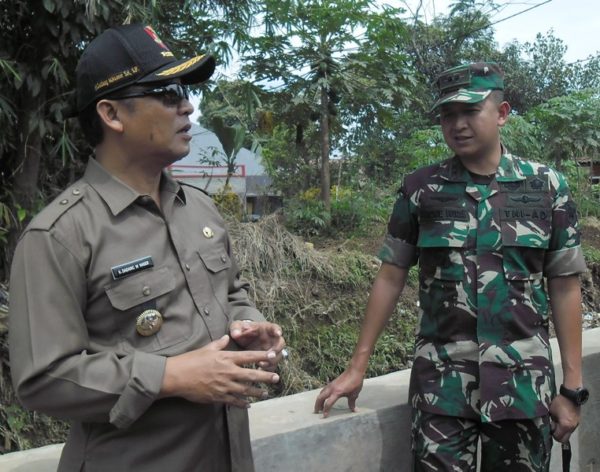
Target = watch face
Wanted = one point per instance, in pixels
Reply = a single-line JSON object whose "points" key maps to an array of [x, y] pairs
{"points": [[578, 396], [582, 396]]}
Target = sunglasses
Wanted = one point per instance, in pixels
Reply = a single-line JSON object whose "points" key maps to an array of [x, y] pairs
{"points": [[170, 95]]}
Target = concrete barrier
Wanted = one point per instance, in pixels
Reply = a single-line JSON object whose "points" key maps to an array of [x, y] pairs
{"points": [[287, 436]]}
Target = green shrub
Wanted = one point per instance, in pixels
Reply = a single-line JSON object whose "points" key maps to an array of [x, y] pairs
{"points": [[353, 213], [591, 254]]}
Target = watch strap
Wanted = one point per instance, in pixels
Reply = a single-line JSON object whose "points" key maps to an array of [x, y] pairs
{"points": [[575, 395]]}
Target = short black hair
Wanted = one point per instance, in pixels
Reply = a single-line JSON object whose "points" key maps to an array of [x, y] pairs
{"points": [[497, 96], [90, 124]]}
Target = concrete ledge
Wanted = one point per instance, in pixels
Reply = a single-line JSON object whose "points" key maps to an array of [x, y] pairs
{"points": [[286, 435], [41, 459]]}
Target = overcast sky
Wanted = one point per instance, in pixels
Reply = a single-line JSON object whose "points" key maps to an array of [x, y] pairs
{"points": [[576, 22]]}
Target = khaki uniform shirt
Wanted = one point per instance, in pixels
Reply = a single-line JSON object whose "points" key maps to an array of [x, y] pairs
{"points": [[85, 268], [484, 251]]}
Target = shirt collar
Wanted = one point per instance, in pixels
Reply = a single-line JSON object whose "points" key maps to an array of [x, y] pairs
{"points": [[118, 195], [508, 171]]}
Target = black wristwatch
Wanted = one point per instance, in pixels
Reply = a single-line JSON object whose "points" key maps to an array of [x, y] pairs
{"points": [[578, 396]]}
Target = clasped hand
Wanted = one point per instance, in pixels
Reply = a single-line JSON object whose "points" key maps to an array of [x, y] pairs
{"points": [[263, 336], [213, 374]]}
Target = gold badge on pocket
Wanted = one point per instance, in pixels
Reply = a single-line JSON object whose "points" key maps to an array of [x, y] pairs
{"points": [[208, 232], [149, 322]]}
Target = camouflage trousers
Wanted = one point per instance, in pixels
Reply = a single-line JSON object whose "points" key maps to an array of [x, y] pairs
{"points": [[447, 443]]}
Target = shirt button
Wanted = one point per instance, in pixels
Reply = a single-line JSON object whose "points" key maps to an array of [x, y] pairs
{"points": [[64, 202], [206, 311], [187, 267], [146, 291], [223, 258], [76, 191]]}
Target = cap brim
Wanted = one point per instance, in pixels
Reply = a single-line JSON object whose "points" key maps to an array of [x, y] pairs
{"points": [[191, 71], [462, 96]]}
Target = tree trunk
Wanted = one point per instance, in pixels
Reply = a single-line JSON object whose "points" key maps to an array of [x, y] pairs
{"points": [[325, 178], [25, 186], [303, 153]]}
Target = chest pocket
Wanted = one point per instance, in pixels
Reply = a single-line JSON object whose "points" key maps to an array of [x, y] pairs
{"points": [[136, 293], [217, 264], [526, 232], [442, 239], [140, 288]]}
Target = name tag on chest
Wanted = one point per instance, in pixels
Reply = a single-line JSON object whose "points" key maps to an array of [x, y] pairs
{"points": [[437, 214], [518, 213], [128, 268]]}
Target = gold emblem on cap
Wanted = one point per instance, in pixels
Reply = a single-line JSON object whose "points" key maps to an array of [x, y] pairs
{"points": [[149, 322], [208, 232]]}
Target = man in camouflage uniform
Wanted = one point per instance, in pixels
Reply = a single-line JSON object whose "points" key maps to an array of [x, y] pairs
{"points": [[487, 229]]}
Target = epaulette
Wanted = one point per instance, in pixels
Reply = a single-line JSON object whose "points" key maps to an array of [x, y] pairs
{"points": [[50, 214], [194, 187]]}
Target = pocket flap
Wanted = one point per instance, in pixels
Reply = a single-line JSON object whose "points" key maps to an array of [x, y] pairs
{"points": [[526, 233], [215, 261], [443, 234], [140, 288]]}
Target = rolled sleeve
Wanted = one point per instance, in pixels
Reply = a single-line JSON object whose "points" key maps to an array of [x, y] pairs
{"points": [[398, 252], [568, 261], [565, 256]]}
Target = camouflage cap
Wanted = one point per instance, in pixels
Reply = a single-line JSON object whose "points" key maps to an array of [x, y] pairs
{"points": [[470, 83]]}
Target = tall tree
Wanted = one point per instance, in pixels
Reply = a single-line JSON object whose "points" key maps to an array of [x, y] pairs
{"points": [[267, 116], [538, 71], [379, 140], [569, 125], [312, 48]]}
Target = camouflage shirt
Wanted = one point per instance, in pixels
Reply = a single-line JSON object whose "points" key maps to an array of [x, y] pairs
{"points": [[482, 348]]}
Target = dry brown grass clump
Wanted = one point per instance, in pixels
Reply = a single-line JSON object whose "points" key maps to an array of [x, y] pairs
{"points": [[283, 270], [303, 290]]}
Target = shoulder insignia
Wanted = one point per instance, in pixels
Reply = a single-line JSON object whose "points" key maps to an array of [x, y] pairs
{"points": [[50, 214], [510, 186], [537, 184]]}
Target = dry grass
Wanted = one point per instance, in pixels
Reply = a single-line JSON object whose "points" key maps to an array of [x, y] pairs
{"points": [[301, 289]]}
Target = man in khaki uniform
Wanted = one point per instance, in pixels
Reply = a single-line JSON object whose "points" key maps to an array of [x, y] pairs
{"points": [[127, 313]]}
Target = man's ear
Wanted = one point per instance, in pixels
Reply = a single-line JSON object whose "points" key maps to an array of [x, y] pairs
{"points": [[503, 113], [108, 112]]}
